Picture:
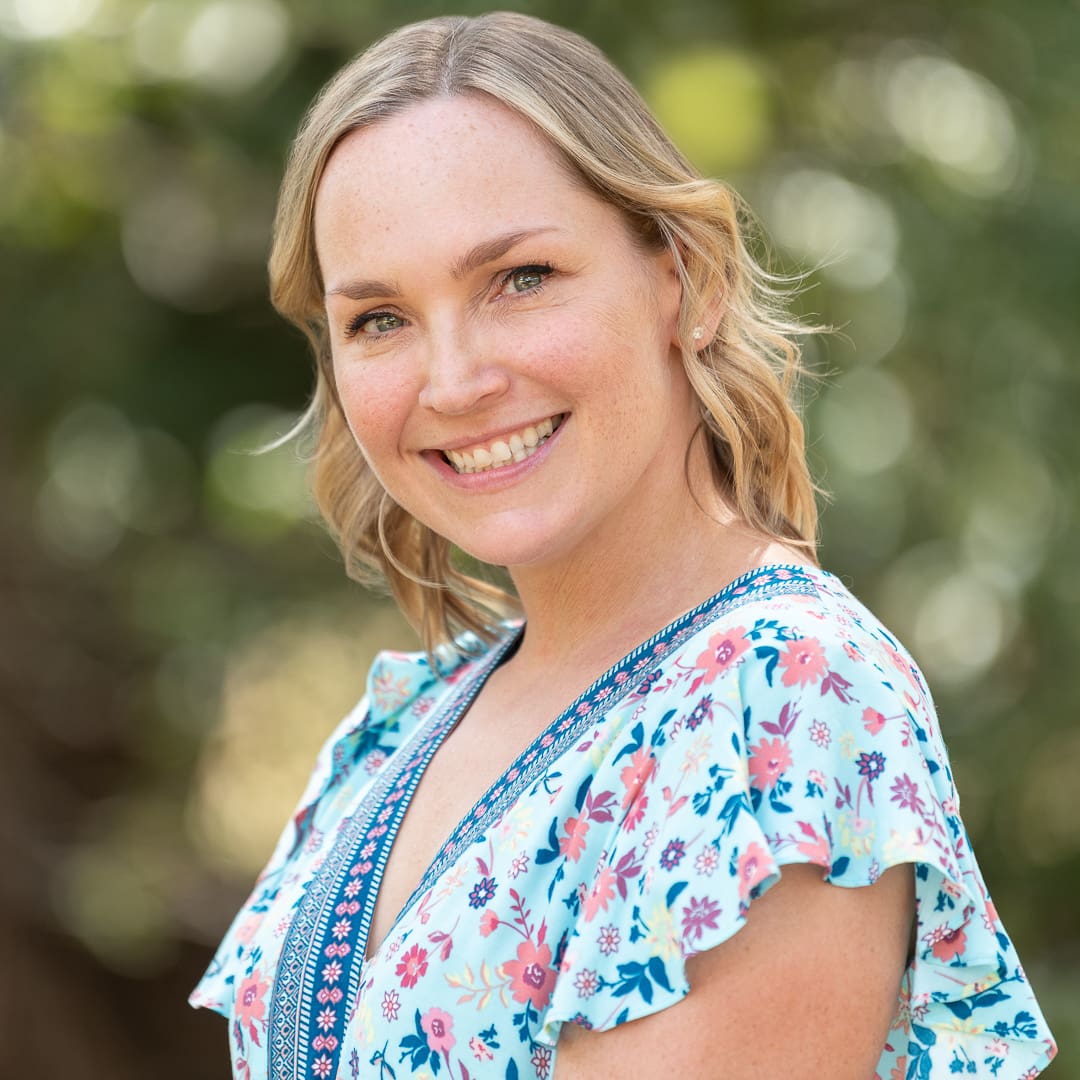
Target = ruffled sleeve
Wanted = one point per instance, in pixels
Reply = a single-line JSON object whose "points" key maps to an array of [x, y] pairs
{"points": [[360, 742], [808, 739]]}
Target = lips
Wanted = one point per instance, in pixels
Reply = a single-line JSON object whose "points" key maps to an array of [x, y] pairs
{"points": [[511, 447]]}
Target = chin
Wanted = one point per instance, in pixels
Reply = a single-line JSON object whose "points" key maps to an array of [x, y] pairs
{"points": [[514, 547]]}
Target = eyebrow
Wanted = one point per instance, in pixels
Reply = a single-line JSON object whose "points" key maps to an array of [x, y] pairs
{"points": [[483, 253]]}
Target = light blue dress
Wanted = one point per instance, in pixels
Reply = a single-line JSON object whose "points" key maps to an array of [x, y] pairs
{"points": [[776, 723]]}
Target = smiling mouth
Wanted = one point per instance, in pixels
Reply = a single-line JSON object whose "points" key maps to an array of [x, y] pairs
{"points": [[515, 447]]}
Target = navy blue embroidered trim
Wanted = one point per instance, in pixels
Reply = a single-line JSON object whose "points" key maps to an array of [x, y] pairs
{"points": [[322, 959], [604, 694]]}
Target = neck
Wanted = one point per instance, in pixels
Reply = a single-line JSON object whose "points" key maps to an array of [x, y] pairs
{"points": [[592, 606]]}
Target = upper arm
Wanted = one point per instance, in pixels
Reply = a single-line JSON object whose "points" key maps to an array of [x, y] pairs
{"points": [[806, 988]]}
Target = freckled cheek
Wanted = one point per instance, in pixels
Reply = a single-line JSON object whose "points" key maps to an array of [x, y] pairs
{"points": [[377, 406], [559, 352]]}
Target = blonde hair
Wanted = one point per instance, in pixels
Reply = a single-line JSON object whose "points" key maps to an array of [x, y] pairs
{"points": [[743, 377]]}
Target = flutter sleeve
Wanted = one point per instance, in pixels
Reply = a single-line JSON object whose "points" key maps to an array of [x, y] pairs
{"points": [[806, 739], [363, 738]]}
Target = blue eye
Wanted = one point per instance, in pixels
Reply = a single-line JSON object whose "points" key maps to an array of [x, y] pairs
{"points": [[526, 279]]}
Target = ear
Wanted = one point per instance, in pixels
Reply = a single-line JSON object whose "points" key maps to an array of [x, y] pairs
{"points": [[701, 331]]}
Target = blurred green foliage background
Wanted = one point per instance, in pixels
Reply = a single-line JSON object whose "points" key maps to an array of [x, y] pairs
{"points": [[176, 635]]}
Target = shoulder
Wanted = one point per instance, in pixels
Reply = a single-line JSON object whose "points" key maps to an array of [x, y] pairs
{"points": [[400, 690]]}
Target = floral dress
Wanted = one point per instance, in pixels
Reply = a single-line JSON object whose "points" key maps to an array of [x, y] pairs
{"points": [[776, 723]]}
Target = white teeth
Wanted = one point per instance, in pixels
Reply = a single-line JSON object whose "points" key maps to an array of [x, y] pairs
{"points": [[516, 447]]}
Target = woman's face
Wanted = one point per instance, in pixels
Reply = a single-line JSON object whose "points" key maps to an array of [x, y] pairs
{"points": [[504, 352]]}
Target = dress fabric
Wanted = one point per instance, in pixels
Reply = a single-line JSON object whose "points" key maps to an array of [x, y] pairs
{"points": [[776, 723]]}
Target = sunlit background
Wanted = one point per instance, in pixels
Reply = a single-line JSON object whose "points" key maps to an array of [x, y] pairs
{"points": [[177, 635]]}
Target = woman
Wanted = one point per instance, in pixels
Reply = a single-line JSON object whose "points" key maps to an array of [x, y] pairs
{"points": [[541, 340]]}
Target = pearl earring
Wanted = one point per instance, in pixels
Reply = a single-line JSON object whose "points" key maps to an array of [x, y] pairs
{"points": [[698, 333]]}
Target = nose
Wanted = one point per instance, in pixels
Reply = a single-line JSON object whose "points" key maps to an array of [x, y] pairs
{"points": [[460, 374]]}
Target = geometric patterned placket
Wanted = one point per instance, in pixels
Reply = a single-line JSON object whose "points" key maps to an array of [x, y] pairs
{"points": [[323, 953]]}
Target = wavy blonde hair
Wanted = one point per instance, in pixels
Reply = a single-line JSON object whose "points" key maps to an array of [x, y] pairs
{"points": [[743, 376]]}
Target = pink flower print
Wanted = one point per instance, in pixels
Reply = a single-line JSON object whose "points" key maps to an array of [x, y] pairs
{"points": [[489, 921], [803, 662], [906, 792], [601, 894], [391, 1002], [438, 1026], [412, 966], [573, 843], [873, 720], [754, 866], [531, 975], [541, 1062], [250, 1006], [587, 983], [519, 865], [480, 1049], [701, 915], [946, 944], [322, 1067], [248, 927], [636, 812], [768, 761], [707, 861], [332, 972], [609, 939], [326, 1019], [723, 652], [815, 847], [634, 775], [820, 735]]}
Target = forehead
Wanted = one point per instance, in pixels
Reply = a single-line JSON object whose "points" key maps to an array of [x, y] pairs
{"points": [[445, 170]]}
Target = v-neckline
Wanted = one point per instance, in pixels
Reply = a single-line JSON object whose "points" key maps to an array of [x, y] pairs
{"points": [[747, 586], [446, 715]]}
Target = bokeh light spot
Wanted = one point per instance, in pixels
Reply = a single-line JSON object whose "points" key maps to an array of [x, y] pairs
{"points": [[232, 44], [955, 118], [827, 220], [866, 421], [256, 493], [39, 19], [715, 106]]}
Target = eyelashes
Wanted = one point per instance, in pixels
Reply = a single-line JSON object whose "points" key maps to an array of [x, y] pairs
{"points": [[355, 326], [539, 271], [528, 279]]}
